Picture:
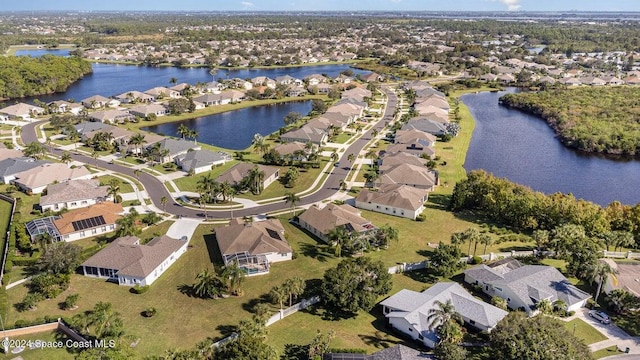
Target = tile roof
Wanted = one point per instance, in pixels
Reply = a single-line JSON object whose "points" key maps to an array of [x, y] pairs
{"points": [[289, 148], [49, 173], [74, 190], [332, 216], [394, 195], [256, 238]]}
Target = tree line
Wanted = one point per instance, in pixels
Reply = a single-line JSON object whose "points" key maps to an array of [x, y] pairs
{"points": [[607, 126], [22, 76]]}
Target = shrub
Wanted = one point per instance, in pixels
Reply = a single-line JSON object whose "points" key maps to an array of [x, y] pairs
{"points": [[8, 265], [135, 203], [149, 312], [476, 260], [140, 289], [21, 323], [591, 304], [29, 302], [70, 302], [421, 217]]}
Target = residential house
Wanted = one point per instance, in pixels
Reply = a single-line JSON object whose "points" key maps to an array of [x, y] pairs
{"points": [[9, 153], [626, 277], [305, 134], [61, 106], [119, 136], [14, 165], [74, 194], [408, 311], [181, 88], [135, 97], [35, 180], [253, 246], [91, 126], [414, 136], [393, 199], [397, 352], [410, 175], [160, 92], [414, 148], [353, 111], [168, 149], [212, 99], [21, 111], [146, 110], [127, 262], [371, 77], [288, 80], [427, 125], [77, 224], [296, 90], [99, 101], [523, 286], [295, 151], [112, 116], [239, 171], [315, 79], [199, 161], [388, 161], [357, 93], [320, 222]]}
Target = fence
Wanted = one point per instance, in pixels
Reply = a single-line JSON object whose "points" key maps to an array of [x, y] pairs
{"points": [[404, 267], [5, 251], [621, 254], [54, 326], [283, 313]]}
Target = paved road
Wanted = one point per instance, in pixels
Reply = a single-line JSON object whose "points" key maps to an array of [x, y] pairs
{"points": [[156, 189]]}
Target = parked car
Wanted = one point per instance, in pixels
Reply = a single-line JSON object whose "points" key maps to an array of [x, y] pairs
{"points": [[600, 316]]}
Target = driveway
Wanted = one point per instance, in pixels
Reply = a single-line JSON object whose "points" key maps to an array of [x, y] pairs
{"points": [[183, 227], [616, 336]]}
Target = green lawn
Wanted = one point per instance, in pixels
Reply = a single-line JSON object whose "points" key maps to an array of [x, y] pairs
{"points": [[125, 187], [584, 331], [610, 351], [277, 189], [342, 138], [190, 183]]}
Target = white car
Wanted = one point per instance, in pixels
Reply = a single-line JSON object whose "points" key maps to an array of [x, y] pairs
{"points": [[600, 316]]}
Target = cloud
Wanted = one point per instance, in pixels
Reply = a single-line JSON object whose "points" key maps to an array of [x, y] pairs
{"points": [[512, 5], [246, 5], [396, 1]]}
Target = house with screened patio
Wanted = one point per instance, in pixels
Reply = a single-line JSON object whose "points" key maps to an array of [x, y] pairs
{"points": [[253, 245]]}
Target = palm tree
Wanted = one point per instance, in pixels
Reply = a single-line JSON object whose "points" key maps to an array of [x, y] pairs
{"points": [[255, 178], [173, 81], [114, 190], [227, 191], [207, 285], [65, 158], [544, 306], [295, 287], [193, 134], [486, 240], [35, 150], [339, 238], [163, 201], [183, 131], [94, 155], [443, 317], [235, 275], [137, 173], [293, 199], [334, 156], [351, 157], [126, 225], [599, 273], [137, 140], [387, 233], [103, 317], [375, 132], [203, 200], [278, 294], [257, 142]]}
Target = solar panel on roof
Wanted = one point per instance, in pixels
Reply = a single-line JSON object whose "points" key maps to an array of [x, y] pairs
{"points": [[88, 223]]}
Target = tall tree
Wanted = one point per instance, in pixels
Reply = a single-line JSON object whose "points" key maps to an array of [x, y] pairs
{"points": [[65, 158], [292, 199], [35, 150], [599, 273]]}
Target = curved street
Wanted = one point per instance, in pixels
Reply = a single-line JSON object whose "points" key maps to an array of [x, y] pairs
{"points": [[156, 189]]}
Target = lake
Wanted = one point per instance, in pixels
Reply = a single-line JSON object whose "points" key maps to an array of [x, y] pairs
{"points": [[234, 130], [523, 149], [114, 79]]}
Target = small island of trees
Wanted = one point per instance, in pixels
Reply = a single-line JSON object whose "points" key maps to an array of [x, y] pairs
{"points": [[591, 119]]}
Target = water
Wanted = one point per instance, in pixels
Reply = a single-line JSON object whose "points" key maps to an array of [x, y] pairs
{"points": [[234, 130], [523, 148], [40, 52], [114, 79]]}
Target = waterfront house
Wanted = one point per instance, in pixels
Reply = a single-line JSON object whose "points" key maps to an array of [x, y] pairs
{"points": [[99, 101], [393, 199], [254, 246], [200, 161], [388, 161], [21, 111], [35, 180], [305, 134], [61, 107], [414, 136], [112, 116], [77, 224], [320, 222], [414, 148], [74, 194], [168, 149], [162, 92], [295, 151], [427, 125], [408, 311], [127, 262], [396, 352], [523, 286], [146, 110], [135, 97]]}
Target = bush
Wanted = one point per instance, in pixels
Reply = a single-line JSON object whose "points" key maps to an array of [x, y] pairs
{"points": [[591, 304], [8, 265], [29, 302], [149, 312], [24, 261], [421, 217], [140, 289], [70, 302], [135, 203], [476, 260]]}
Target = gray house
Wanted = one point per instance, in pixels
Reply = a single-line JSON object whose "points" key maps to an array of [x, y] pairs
{"points": [[200, 161], [523, 286], [407, 311]]}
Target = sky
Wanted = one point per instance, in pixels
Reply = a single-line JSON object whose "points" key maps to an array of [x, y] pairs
{"points": [[324, 5]]}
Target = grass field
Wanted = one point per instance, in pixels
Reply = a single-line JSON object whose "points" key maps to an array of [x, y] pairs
{"points": [[610, 351], [125, 187], [584, 331], [38, 354]]}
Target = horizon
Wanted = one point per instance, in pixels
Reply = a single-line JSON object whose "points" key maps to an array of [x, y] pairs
{"points": [[325, 6]]}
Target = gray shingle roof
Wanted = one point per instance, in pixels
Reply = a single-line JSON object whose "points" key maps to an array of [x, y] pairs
{"points": [[199, 158], [18, 165]]}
